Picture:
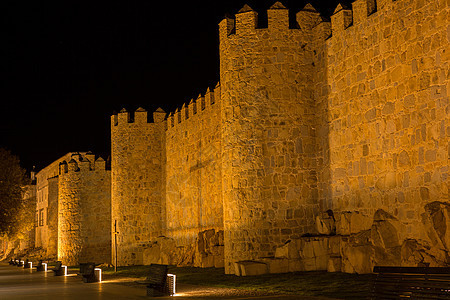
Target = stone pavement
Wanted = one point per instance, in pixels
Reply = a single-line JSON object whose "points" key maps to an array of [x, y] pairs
{"points": [[19, 283]]}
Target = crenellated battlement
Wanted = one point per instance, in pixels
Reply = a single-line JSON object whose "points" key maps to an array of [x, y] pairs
{"points": [[82, 163], [245, 21], [138, 117], [195, 107]]}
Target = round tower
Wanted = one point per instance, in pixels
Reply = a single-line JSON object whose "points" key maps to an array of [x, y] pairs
{"points": [[84, 211], [137, 163], [70, 241], [269, 175]]}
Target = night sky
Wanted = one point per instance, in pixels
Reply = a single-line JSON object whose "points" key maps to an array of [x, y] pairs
{"points": [[68, 65]]}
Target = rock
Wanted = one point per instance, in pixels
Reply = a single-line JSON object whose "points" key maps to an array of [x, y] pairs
{"points": [[334, 264], [206, 261], [251, 268], [325, 223], [219, 261], [288, 250], [162, 251], [295, 265], [436, 220], [387, 257], [384, 233], [334, 245], [276, 265], [415, 254], [357, 258], [352, 222], [314, 253]]}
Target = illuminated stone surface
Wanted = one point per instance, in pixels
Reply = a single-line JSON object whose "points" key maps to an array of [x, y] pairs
{"points": [[84, 211], [348, 117]]}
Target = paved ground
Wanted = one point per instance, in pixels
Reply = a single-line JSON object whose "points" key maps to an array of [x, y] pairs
{"points": [[19, 283]]}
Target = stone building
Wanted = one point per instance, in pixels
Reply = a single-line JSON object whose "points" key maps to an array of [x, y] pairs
{"points": [[73, 210], [324, 147]]}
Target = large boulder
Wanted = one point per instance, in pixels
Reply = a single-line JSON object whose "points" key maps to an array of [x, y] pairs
{"points": [[250, 268], [416, 254], [357, 253], [436, 220], [314, 254], [352, 222]]}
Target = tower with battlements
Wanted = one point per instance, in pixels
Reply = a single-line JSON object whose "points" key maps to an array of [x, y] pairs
{"points": [[137, 190], [269, 180], [84, 210]]}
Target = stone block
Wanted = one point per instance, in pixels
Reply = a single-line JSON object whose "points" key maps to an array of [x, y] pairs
{"points": [[334, 245], [251, 268], [207, 261], [436, 220], [357, 258], [352, 222], [288, 250], [219, 261], [334, 264], [295, 265], [276, 265]]}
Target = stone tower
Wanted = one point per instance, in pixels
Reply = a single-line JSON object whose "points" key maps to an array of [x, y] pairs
{"points": [[137, 192], [84, 210], [270, 192]]}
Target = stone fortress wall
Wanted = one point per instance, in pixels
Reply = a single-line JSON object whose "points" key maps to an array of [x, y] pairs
{"points": [[194, 169], [84, 210], [327, 145], [47, 207], [137, 182]]}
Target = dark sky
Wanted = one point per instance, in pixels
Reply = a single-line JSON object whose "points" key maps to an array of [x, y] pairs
{"points": [[68, 65]]}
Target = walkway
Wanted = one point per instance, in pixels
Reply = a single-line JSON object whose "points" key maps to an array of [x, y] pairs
{"points": [[19, 283]]}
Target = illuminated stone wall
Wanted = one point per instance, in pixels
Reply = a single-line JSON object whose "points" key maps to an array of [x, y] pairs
{"points": [[137, 157], [348, 117], [193, 169], [269, 168], [47, 207], [388, 109], [84, 218]]}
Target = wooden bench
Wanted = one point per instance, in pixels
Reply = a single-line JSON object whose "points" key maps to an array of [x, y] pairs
{"points": [[41, 266], [87, 270], [58, 269], [156, 281], [20, 263], [411, 282], [26, 264]]}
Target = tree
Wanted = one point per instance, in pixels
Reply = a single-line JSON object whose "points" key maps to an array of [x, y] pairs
{"points": [[12, 182]]}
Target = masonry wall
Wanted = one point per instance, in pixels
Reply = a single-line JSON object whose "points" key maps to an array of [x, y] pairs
{"points": [[193, 169], [47, 207], [269, 177], [84, 219], [137, 190], [349, 116], [388, 109]]}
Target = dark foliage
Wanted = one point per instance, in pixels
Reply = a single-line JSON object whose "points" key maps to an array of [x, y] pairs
{"points": [[12, 182]]}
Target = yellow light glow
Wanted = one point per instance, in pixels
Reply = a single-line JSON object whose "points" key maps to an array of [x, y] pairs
{"points": [[98, 274], [174, 282], [65, 270]]}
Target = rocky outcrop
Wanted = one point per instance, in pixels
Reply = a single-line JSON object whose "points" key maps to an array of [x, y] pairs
{"points": [[352, 242], [205, 252]]}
